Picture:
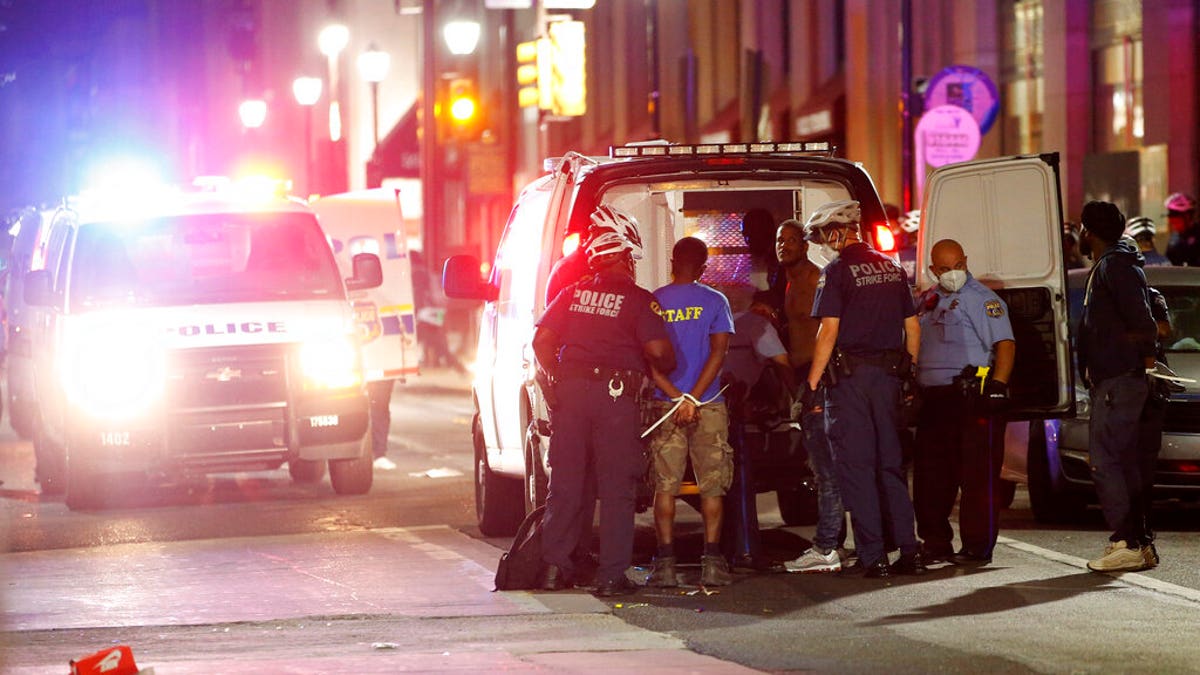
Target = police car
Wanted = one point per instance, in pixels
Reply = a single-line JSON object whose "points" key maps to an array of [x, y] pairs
{"points": [[673, 191], [194, 330]]}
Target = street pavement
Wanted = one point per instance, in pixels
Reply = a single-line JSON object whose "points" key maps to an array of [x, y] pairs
{"points": [[399, 599]]}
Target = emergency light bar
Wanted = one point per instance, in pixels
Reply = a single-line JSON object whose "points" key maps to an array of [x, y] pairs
{"points": [[707, 149]]}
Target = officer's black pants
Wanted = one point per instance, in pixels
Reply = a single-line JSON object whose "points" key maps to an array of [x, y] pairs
{"points": [[958, 448], [862, 413], [590, 426]]}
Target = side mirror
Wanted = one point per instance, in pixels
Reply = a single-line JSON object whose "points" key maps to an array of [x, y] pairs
{"points": [[37, 289], [368, 272], [461, 279]]}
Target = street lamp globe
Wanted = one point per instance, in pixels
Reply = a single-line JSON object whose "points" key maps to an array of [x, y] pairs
{"points": [[307, 90], [373, 64], [333, 39], [461, 37], [253, 113]]}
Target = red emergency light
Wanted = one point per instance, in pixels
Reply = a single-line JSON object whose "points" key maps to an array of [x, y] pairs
{"points": [[885, 241]]}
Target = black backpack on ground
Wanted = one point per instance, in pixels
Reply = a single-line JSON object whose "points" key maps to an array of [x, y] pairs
{"points": [[521, 566]]}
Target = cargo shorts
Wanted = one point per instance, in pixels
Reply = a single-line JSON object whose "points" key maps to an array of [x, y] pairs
{"points": [[706, 441]]}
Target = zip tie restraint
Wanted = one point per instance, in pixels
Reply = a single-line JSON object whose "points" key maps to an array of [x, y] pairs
{"points": [[678, 402]]}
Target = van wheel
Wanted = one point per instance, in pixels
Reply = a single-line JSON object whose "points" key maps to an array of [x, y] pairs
{"points": [[21, 419], [499, 501], [1050, 501], [537, 483], [51, 465], [306, 471], [797, 506], [353, 476]]}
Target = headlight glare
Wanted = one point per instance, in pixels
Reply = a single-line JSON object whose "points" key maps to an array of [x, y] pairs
{"points": [[113, 375], [330, 364]]}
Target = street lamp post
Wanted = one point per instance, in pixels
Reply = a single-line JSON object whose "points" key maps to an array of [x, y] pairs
{"points": [[307, 91], [331, 41], [373, 65]]}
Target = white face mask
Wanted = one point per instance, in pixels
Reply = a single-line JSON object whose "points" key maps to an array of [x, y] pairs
{"points": [[821, 254], [953, 280]]}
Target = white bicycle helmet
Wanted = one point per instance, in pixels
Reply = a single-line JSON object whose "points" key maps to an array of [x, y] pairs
{"points": [[845, 213], [608, 220], [1180, 202], [1140, 227]]}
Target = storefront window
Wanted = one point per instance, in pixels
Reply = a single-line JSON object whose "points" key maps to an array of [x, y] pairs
{"points": [[1022, 77], [1117, 75]]}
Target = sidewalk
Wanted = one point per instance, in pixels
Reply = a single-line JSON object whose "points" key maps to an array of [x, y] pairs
{"points": [[391, 600]]}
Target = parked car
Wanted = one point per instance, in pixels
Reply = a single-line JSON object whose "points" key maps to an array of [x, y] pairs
{"points": [[1051, 455]]}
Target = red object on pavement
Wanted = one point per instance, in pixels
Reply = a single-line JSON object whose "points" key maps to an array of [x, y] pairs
{"points": [[110, 661]]}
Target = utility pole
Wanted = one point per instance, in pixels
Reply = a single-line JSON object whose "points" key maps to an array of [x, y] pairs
{"points": [[431, 216]]}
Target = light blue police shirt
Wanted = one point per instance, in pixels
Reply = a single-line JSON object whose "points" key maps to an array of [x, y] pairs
{"points": [[960, 331]]}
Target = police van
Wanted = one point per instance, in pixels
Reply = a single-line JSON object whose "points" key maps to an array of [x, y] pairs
{"points": [[704, 191], [371, 221], [673, 191], [187, 331]]}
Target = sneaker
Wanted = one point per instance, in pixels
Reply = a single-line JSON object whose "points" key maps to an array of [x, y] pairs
{"points": [[714, 571], [813, 560], [384, 464], [1118, 558], [663, 575], [1150, 555]]}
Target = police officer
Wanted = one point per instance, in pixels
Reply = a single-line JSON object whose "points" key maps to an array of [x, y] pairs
{"points": [[593, 345], [868, 321], [960, 440]]}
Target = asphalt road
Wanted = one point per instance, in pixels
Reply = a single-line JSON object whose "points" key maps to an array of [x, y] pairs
{"points": [[298, 579]]}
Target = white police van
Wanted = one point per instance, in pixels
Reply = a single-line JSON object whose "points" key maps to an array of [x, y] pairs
{"points": [[184, 331], [704, 190], [370, 221], [673, 191]]}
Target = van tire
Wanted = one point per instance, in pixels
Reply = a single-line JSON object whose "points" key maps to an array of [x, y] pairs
{"points": [[21, 419], [51, 465], [306, 471], [353, 476], [499, 500], [797, 506], [537, 483], [1050, 502]]}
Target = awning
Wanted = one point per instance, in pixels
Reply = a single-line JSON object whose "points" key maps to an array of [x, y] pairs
{"points": [[822, 116], [398, 154]]}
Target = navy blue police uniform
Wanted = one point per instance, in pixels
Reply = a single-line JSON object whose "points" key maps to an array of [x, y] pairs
{"points": [[603, 322], [870, 295], [960, 444]]}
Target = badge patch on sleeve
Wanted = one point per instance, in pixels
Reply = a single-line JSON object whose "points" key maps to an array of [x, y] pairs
{"points": [[994, 309]]}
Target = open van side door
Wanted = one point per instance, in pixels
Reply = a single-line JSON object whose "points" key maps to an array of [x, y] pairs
{"points": [[1007, 214]]}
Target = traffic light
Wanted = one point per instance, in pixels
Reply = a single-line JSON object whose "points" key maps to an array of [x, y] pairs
{"points": [[463, 111]]}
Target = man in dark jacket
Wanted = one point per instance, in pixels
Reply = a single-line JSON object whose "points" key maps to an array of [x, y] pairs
{"points": [[1116, 351]]}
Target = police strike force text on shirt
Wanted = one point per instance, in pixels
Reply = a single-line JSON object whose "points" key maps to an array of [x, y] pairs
{"points": [[594, 302], [869, 274]]}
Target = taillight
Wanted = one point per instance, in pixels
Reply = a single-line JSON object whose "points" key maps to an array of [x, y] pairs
{"points": [[570, 244], [885, 241]]}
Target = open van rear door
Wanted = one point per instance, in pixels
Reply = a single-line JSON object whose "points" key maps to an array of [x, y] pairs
{"points": [[1007, 214]]}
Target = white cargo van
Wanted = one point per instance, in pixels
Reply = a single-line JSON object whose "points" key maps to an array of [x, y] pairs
{"points": [[703, 191], [370, 221], [674, 191], [194, 331]]}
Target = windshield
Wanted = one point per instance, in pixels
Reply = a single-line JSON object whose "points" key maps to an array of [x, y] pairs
{"points": [[197, 259], [1183, 308]]}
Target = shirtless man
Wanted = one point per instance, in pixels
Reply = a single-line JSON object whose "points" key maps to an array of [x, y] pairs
{"points": [[802, 276]]}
